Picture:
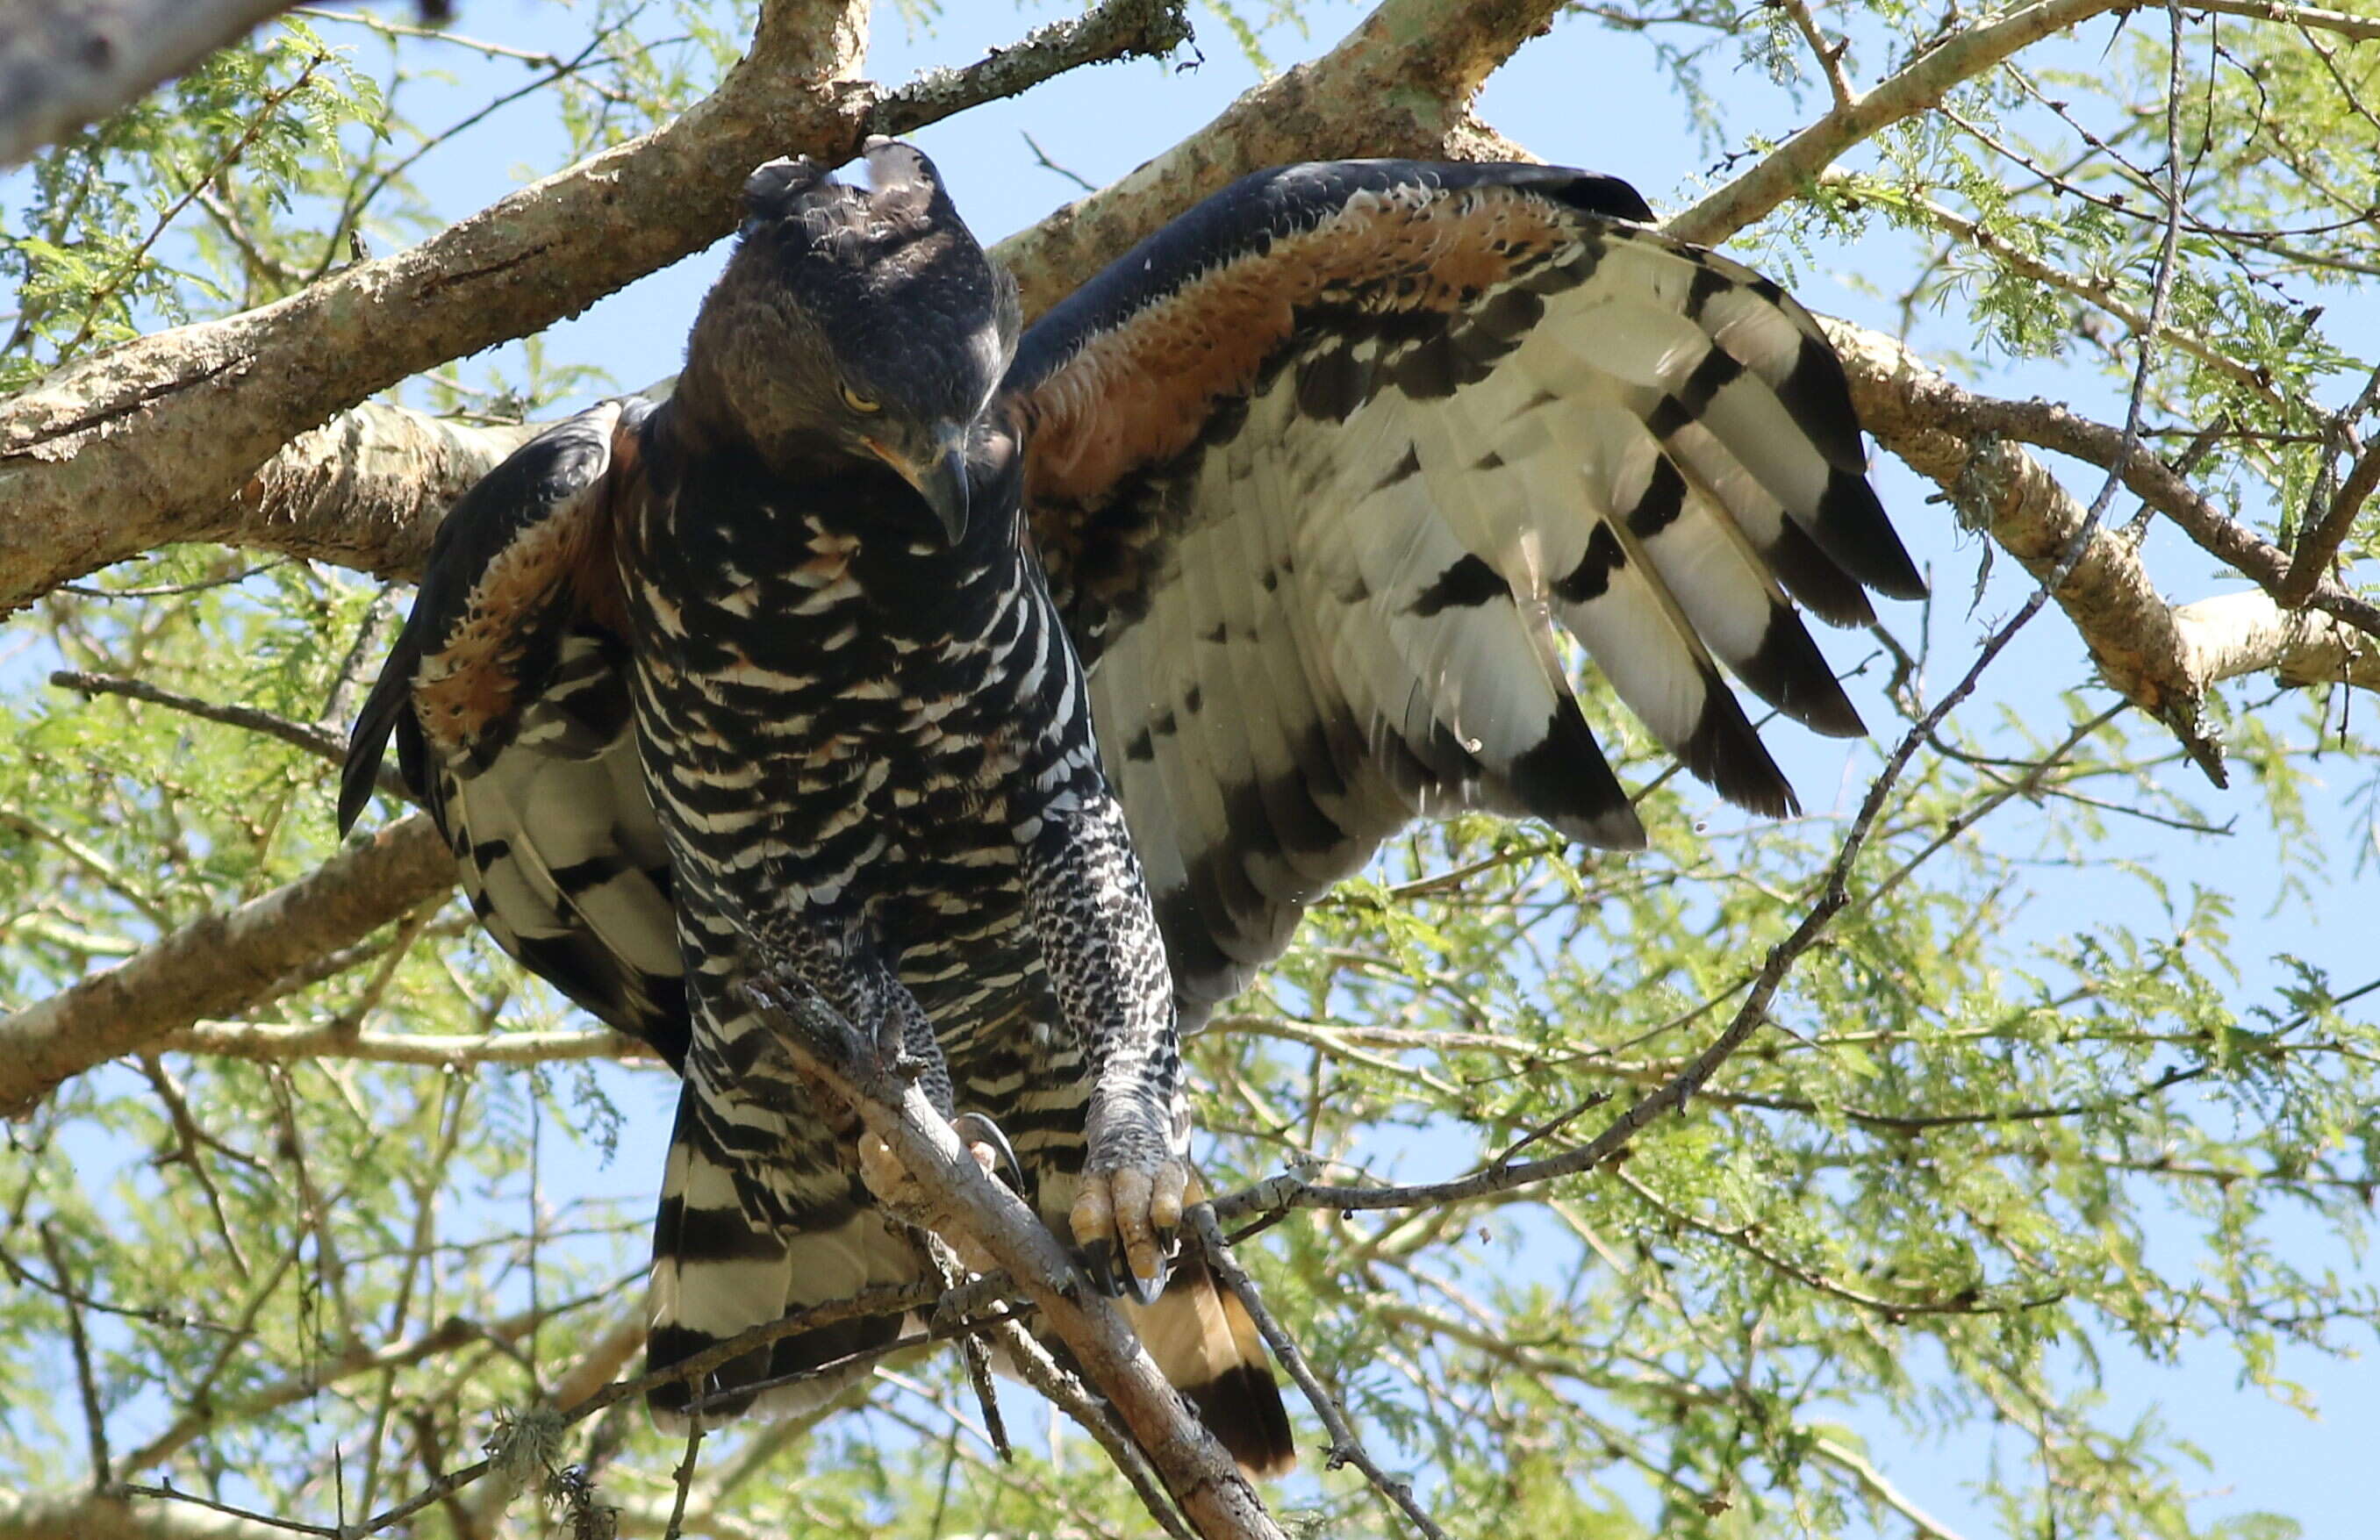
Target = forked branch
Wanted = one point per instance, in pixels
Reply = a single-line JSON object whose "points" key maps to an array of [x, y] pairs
{"points": [[1213, 1495]]}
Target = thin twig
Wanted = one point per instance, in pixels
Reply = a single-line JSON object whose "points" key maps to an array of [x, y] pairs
{"points": [[1114, 30], [2325, 534], [172, 1493], [320, 742], [1041, 158], [1345, 1448], [684, 1475], [1037, 1369], [171, 591], [1830, 54], [942, 1265], [94, 1417]]}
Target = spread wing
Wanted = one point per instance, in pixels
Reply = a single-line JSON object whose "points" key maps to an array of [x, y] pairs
{"points": [[1318, 469], [507, 692]]}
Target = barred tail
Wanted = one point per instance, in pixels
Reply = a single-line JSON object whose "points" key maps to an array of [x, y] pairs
{"points": [[1203, 1341], [759, 1217]]}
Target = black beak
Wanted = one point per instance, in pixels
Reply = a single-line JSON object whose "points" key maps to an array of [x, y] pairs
{"points": [[942, 481]]}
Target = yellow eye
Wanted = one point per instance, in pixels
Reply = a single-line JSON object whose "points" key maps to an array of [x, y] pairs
{"points": [[858, 403]]}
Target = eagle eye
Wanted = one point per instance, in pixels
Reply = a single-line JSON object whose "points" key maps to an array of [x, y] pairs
{"points": [[863, 405]]}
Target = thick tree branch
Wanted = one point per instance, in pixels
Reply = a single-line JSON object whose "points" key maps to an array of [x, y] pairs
{"points": [[367, 489], [220, 963], [1401, 83], [2233, 634], [1936, 425], [167, 438], [2162, 659], [65, 63], [148, 442]]}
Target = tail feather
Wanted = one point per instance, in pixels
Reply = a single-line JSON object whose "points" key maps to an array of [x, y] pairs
{"points": [[760, 1217], [744, 1237], [1208, 1347]]}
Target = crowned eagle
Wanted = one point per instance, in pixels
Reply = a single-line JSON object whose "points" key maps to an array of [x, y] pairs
{"points": [[1021, 685]]}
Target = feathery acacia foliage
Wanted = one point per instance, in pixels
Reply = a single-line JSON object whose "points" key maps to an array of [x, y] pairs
{"points": [[2039, 1100]]}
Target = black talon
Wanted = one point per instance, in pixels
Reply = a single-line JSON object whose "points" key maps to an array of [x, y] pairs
{"points": [[974, 1128], [1098, 1265]]}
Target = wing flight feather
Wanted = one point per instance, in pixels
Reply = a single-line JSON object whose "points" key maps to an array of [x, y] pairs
{"points": [[507, 695], [1319, 469]]}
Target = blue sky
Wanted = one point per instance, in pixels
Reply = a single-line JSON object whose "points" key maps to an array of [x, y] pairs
{"points": [[1596, 98], [1593, 97]]}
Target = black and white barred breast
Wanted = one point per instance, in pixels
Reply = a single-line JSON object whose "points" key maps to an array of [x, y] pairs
{"points": [[844, 719]]}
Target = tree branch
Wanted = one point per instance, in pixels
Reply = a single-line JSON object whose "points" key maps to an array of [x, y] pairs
{"points": [[323, 743], [149, 442], [1213, 1495], [1922, 83], [65, 63], [1345, 1448], [367, 489], [2361, 29], [279, 1045], [221, 961], [452, 1333], [1949, 435], [1401, 83], [2237, 634], [90, 1517], [167, 438]]}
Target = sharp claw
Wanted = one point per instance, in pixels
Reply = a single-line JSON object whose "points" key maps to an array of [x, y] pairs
{"points": [[976, 1129], [1147, 1289], [1098, 1265], [1168, 1242]]}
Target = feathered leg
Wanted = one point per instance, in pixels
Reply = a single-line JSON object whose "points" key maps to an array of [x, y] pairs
{"points": [[1099, 942]]}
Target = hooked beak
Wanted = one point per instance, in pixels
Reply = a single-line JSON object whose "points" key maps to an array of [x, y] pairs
{"points": [[942, 480]]}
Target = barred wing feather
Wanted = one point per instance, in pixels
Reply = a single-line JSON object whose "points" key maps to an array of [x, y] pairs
{"points": [[1320, 469], [507, 695]]}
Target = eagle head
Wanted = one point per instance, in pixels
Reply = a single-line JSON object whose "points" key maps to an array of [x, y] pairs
{"points": [[856, 322]]}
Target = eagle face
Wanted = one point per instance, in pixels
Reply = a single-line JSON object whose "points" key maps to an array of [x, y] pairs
{"points": [[858, 323]]}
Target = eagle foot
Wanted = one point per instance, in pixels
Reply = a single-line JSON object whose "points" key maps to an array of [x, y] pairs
{"points": [[906, 1067], [898, 1195], [1132, 1214]]}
